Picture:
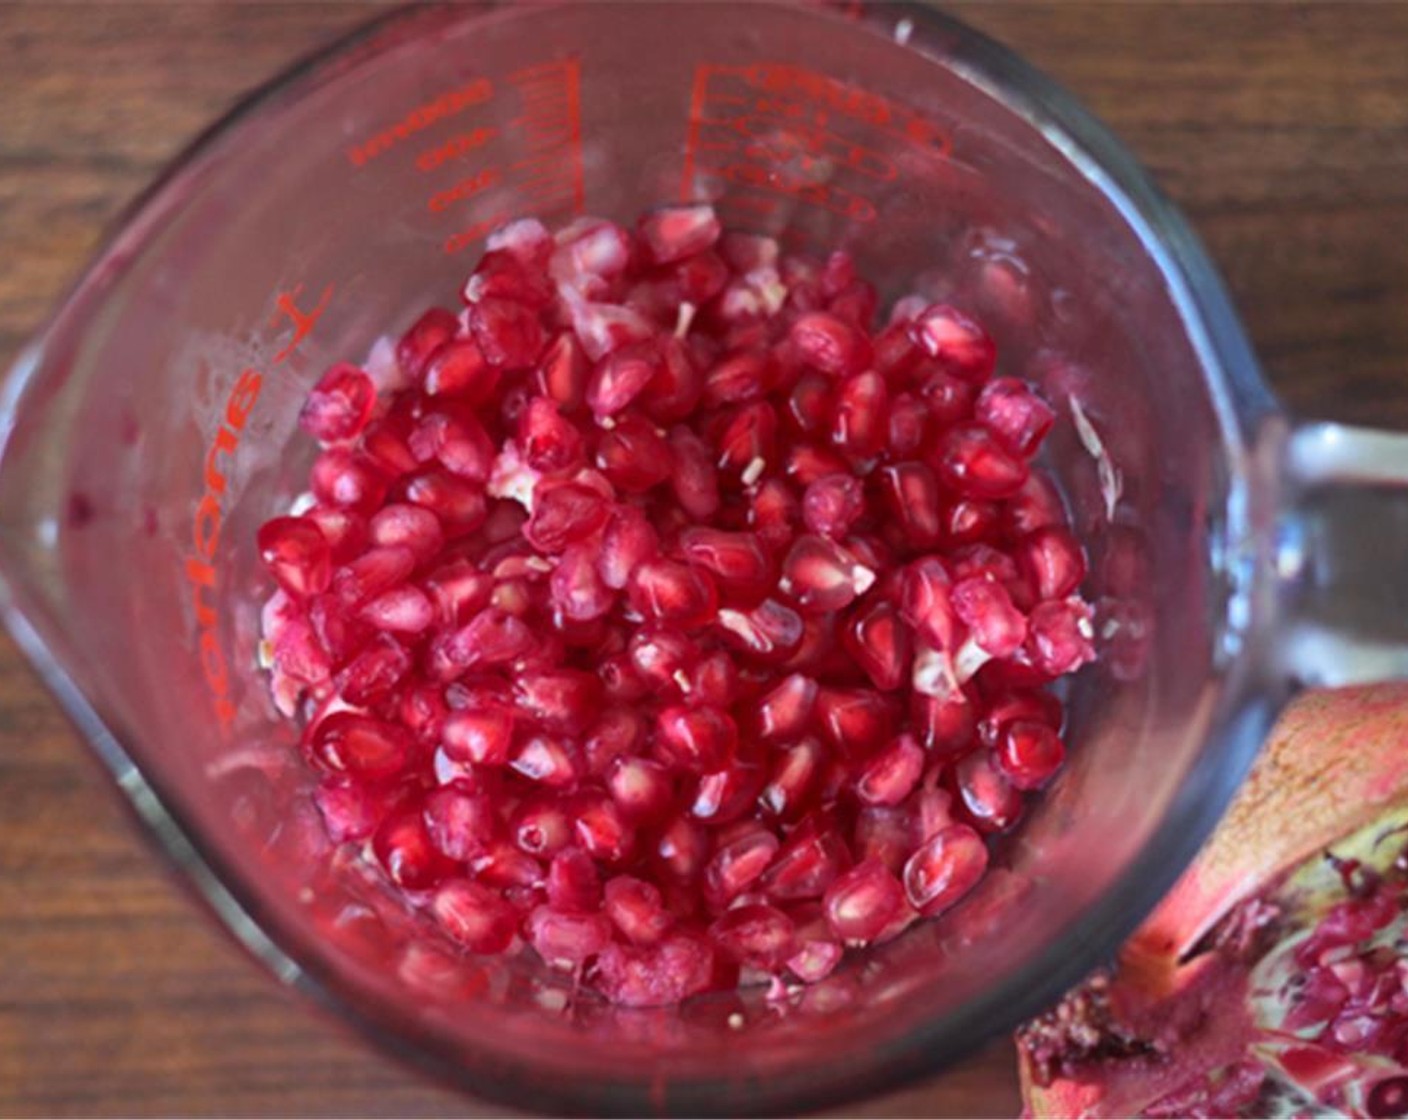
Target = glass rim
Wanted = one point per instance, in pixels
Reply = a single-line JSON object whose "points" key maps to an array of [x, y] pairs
{"points": [[1240, 399]]}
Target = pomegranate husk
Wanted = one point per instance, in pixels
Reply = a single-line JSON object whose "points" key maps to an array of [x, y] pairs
{"points": [[1178, 1009]]}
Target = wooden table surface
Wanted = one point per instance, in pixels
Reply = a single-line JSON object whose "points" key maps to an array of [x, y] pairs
{"points": [[1282, 129]]}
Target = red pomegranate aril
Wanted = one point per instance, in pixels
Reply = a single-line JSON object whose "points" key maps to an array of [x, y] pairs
{"points": [[576, 588], [971, 462], [811, 404], [341, 477], [643, 788], [927, 603], [460, 369], [566, 939], [891, 775], [403, 848], [339, 405], [423, 338], [403, 610], [815, 960], [350, 809], [856, 721], [774, 512], [699, 740], [636, 910], [811, 860], [603, 831], [563, 514], [663, 657], [492, 637], [652, 976], [457, 441], [674, 593], [739, 864], [375, 571], [885, 833], [347, 743], [1037, 504], [911, 491], [1013, 412], [757, 935], [944, 869], [728, 794], [560, 700], [549, 441], [482, 735], [672, 233], [986, 609], [409, 527], [742, 376], [990, 801], [563, 371], [549, 761], [1053, 560], [462, 823], [833, 504], [629, 540], [786, 711], [862, 903], [740, 565], [505, 867], [573, 881], [508, 333], [970, 521], [820, 576], [621, 377], [714, 680], [908, 431], [747, 442], [830, 344], [1029, 754], [676, 389], [344, 530], [458, 502], [946, 725], [806, 463], [1061, 637], [634, 455], [955, 340], [683, 848], [880, 642], [696, 480], [861, 423], [296, 554], [501, 275], [474, 916], [771, 632]]}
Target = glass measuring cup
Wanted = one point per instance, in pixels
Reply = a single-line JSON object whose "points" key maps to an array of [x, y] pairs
{"points": [[150, 430]]}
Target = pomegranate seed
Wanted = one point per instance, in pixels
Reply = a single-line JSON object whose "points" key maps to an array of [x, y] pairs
{"points": [[880, 643], [508, 333], [856, 721], [986, 609], [861, 424], [492, 637], [955, 340], [811, 404], [672, 592], [636, 909], [748, 442], [339, 405], [683, 849], [604, 328], [501, 275], [908, 432], [343, 529], [675, 391], [549, 761], [423, 338], [1061, 637], [296, 554], [774, 512], [786, 711], [970, 461], [737, 865], [889, 777], [969, 521], [348, 743], [862, 903], [676, 969], [740, 565], [409, 527], [1013, 412], [474, 916], [1053, 560], [829, 344], [886, 834], [771, 632], [820, 576], [1029, 754], [576, 587], [345, 478], [404, 610], [564, 513], [621, 377], [1036, 505], [696, 481], [549, 441], [794, 778], [990, 800], [458, 591], [602, 830], [726, 795], [461, 823], [714, 680], [526, 239], [462, 370], [675, 232], [457, 441], [563, 371], [634, 456], [642, 788], [662, 656], [815, 960], [404, 850], [563, 938], [757, 935], [574, 881], [811, 860], [375, 571], [833, 504], [945, 724], [561, 700], [912, 493], [350, 810], [697, 739], [944, 868], [949, 399], [458, 502], [479, 735], [807, 464]]}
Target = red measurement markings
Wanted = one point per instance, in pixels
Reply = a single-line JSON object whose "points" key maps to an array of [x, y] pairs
{"points": [[785, 130], [455, 148], [550, 127], [442, 107]]}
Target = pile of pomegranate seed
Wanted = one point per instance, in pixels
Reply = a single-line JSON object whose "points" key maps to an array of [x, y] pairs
{"points": [[657, 612]]}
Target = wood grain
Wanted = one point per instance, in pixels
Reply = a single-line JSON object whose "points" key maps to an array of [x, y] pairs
{"points": [[1282, 129]]}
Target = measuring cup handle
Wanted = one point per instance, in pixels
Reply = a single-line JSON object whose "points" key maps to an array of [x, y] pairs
{"points": [[1341, 556]]}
